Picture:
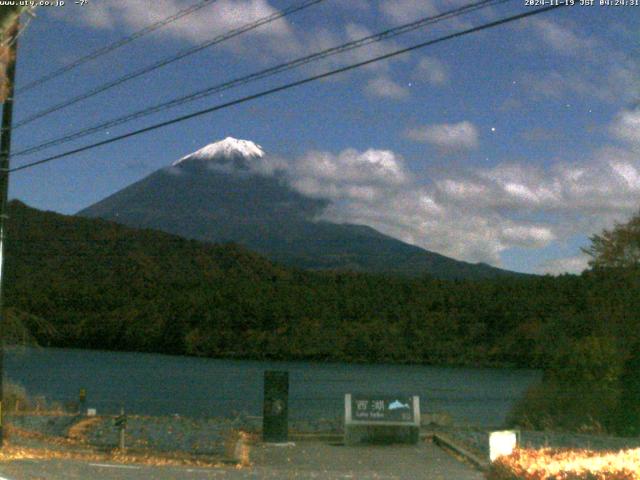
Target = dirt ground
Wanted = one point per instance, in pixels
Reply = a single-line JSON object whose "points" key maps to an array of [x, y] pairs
{"points": [[296, 460]]}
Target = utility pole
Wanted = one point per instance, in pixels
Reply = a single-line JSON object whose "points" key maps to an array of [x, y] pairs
{"points": [[11, 35]]}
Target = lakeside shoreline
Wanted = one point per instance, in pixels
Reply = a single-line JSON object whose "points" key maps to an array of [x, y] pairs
{"points": [[240, 357]]}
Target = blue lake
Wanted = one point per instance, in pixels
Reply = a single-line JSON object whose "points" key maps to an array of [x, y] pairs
{"points": [[162, 384]]}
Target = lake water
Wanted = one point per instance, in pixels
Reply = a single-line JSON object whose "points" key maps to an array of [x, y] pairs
{"points": [[161, 384]]}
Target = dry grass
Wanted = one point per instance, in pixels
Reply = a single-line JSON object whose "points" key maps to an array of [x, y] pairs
{"points": [[547, 464], [237, 447], [17, 402], [13, 452], [78, 431], [12, 431], [77, 449]]}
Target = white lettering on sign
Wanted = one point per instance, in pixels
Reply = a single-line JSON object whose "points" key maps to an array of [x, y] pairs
{"points": [[382, 410]]}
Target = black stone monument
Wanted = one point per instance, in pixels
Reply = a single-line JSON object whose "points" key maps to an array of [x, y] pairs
{"points": [[275, 417]]}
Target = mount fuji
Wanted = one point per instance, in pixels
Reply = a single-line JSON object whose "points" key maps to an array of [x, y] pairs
{"points": [[229, 191]]}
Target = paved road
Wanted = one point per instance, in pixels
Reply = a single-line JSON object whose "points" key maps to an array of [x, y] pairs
{"points": [[304, 460]]}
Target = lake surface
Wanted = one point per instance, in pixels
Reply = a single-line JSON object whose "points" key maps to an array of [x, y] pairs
{"points": [[160, 384]]}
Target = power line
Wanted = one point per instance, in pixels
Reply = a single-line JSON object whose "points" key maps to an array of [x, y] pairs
{"points": [[390, 33], [287, 86], [110, 48], [166, 61]]}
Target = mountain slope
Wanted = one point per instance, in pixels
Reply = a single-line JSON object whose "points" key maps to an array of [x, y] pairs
{"points": [[218, 194]]}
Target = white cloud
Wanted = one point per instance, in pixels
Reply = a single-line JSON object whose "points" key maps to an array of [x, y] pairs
{"points": [[384, 87], [576, 197], [588, 83], [100, 16], [362, 5], [322, 38], [432, 71], [355, 31], [473, 214], [278, 39], [531, 236], [374, 187], [598, 74], [274, 41], [220, 17], [448, 137], [405, 11], [627, 126], [348, 168], [574, 264], [562, 39], [627, 172]]}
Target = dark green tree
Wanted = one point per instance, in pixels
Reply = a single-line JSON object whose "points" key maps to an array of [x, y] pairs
{"points": [[618, 247]]}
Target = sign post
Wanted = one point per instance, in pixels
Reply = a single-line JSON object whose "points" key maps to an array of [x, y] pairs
{"points": [[82, 401], [381, 419], [275, 418], [121, 423]]}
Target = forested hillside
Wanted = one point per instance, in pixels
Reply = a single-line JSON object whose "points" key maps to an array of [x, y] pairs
{"points": [[102, 285]]}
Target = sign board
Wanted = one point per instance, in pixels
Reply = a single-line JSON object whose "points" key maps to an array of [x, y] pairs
{"points": [[363, 409]]}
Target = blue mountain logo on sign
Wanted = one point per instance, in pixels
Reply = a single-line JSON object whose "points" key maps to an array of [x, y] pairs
{"points": [[397, 404]]}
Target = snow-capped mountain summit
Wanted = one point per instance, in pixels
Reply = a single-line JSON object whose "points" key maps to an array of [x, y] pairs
{"points": [[221, 193], [225, 150]]}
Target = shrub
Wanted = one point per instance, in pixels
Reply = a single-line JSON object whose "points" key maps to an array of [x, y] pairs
{"points": [[580, 391], [566, 465], [16, 400]]}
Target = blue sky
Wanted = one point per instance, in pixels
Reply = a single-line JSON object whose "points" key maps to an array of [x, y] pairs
{"points": [[509, 147]]}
